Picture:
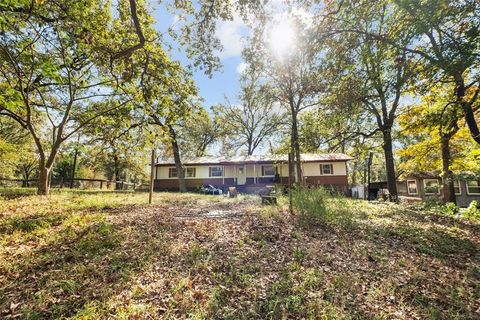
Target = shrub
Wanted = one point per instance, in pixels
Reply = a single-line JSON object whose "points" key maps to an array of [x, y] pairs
{"points": [[309, 205], [450, 209], [432, 202], [473, 211]]}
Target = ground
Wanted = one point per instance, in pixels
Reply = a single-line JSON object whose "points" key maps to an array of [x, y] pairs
{"points": [[91, 255]]}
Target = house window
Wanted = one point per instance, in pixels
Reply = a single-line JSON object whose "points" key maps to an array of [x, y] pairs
{"points": [[402, 187], [172, 173], [431, 186], [457, 187], [326, 168], [412, 187], [190, 172], [216, 172], [473, 187], [268, 171]]}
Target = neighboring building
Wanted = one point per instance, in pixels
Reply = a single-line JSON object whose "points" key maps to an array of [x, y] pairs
{"points": [[250, 173], [424, 185]]}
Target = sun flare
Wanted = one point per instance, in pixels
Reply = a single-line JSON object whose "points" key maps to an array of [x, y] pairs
{"points": [[282, 38]]}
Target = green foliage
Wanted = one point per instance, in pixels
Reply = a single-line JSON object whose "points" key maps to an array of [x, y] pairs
{"points": [[473, 211], [450, 209], [309, 205]]}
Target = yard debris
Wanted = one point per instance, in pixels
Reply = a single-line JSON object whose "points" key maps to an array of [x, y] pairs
{"points": [[216, 257]]}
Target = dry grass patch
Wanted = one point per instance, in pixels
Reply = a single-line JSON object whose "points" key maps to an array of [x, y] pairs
{"points": [[108, 255]]}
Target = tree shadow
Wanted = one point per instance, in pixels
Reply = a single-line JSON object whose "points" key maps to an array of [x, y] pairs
{"points": [[85, 262]]}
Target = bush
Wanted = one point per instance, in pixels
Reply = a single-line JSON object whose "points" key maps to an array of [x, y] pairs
{"points": [[450, 209], [473, 211], [309, 205]]}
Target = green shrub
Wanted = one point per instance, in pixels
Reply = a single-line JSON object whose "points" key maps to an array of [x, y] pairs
{"points": [[473, 211], [309, 205], [450, 209], [432, 202]]}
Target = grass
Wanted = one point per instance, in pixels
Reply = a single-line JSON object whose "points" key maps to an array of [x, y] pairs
{"points": [[96, 255]]}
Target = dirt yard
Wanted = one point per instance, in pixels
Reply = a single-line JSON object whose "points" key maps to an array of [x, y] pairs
{"points": [[106, 255]]}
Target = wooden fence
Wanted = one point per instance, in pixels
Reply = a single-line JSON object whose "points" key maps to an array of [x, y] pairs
{"points": [[79, 183]]}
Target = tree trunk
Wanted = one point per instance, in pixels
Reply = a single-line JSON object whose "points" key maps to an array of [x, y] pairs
{"points": [[448, 188], [74, 167], [26, 176], [389, 164], [43, 180], [296, 145], [460, 92], [116, 172], [178, 161]]}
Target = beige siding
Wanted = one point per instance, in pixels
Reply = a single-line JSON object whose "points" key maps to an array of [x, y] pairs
{"points": [[201, 172], [310, 169]]}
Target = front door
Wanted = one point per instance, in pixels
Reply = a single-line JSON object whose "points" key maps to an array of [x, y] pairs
{"points": [[241, 175]]}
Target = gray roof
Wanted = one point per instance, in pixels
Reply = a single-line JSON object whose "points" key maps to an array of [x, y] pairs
{"points": [[306, 157]]}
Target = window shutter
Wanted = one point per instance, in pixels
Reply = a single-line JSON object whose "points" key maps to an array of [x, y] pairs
{"points": [[263, 171], [209, 171], [321, 169], [331, 168]]}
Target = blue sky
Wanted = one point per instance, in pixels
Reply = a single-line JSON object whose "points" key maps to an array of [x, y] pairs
{"points": [[225, 82]]}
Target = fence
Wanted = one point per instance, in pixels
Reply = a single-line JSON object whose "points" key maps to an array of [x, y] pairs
{"points": [[79, 183]]}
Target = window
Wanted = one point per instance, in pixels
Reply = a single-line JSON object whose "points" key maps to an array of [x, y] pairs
{"points": [[473, 187], [431, 186], [172, 172], [457, 187], [412, 187], [268, 171], [326, 168], [216, 172], [190, 172], [402, 187]]}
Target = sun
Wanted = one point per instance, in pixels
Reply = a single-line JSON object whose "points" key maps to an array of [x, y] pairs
{"points": [[281, 38]]}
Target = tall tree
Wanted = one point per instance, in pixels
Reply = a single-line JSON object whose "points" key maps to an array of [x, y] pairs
{"points": [[115, 142], [53, 69], [167, 97], [443, 34], [293, 72], [256, 119], [199, 131], [381, 72], [437, 122], [447, 38]]}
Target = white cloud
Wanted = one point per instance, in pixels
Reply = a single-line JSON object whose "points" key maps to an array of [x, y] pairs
{"points": [[242, 67], [230, 34]]}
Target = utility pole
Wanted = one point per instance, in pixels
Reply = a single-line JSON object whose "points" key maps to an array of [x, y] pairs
{"points": [[74, 163], [152, 174], [369, 164], [290, 179]]}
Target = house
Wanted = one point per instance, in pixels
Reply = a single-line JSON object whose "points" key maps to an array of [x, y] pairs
{"points": [[251, 173], [424, 185]]}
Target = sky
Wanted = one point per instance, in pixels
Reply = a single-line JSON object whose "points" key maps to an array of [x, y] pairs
{"points": [[224, 83]]}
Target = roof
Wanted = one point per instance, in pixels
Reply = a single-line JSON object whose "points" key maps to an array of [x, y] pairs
{"points": [[306, 157]]}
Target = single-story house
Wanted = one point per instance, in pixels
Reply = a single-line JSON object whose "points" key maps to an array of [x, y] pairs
{"points": [[424, 185], [250, 173]]}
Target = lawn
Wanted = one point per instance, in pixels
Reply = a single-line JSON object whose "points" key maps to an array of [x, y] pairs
{"points": [[91, 255]]}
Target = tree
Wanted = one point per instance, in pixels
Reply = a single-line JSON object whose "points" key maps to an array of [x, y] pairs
{"points": [[437, 123], [447, 39], [293, 72], [53, 70], [380, 73], [198, 132], [443, 34], [115, 142], [256, 119], [167, 97]]}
